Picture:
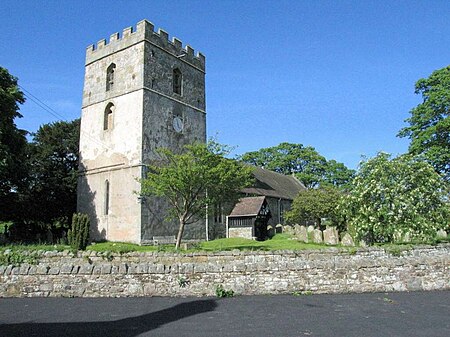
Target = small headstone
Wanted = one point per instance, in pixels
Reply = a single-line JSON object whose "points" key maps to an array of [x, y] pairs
{"points": [[441, 234], [331, 236], [347, 240], [279, 228], [310, 229], [406, 237], [302, 234], [288, 229], [49, 236], [397, 236], [296, 230], [317, 236], [270, 231]]}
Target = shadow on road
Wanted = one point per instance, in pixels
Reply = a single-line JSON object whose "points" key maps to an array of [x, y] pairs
{"points": [[126, 327]]}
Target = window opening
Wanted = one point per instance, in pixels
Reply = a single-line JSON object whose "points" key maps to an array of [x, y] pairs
{"points": [[110, 76], [108, 117], [177, 79], [106, 197]]}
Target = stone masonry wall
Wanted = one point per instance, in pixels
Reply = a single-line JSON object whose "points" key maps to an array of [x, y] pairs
{"points": [[331, 270]]}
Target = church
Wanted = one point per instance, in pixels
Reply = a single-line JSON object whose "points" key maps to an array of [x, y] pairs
{"points": [[142, 92]]}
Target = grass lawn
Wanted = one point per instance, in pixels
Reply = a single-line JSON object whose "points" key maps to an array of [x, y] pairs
{"points": [[278, 242], [124, 247]]}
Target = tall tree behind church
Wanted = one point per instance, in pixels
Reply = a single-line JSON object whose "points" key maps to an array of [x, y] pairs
{"points": [[12, 145], [311, 168], [53, 162]]}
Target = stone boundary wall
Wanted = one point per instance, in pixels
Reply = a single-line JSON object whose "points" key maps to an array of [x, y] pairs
{"points": [[332, 270]]}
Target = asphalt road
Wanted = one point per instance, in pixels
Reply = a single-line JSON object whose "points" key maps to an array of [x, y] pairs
{"points": [[380, 314]]}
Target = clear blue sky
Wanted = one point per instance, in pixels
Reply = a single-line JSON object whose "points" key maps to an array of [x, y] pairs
{"points": [[336, 75]]}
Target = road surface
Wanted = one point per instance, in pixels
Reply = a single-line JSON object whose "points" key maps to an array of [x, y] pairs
{"points": [[360, 315]]}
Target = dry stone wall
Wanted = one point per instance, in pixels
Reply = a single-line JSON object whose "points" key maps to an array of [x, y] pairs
{"points": [[331, 270]]}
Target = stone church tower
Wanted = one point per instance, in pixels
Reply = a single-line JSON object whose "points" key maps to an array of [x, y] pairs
{"points": [[141, 92]]}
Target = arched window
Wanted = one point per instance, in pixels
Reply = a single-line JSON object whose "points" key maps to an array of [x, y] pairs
{"points": [[106, 209], [110, 76], [108, 117], [177, 79]]}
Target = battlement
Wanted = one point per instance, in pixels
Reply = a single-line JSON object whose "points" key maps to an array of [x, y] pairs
{"points": [[144, 31]]}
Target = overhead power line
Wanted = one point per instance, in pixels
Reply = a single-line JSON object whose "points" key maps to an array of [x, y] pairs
{"points": [[60, 117]]}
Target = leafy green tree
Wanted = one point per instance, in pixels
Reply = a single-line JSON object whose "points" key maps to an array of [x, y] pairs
{"points": [[316, 204], [53, 161], [12, 145], [429, 124], [393, 197], [306, 163], [337, 175], [195, 178]]}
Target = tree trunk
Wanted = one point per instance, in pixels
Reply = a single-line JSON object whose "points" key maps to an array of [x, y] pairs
{"points": [[180, 234]]}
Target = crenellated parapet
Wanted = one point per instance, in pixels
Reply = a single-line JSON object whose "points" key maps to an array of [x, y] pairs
{"points": [[144, 31]]}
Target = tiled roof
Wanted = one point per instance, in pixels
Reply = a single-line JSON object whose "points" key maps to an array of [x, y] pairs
{"points": [[273, 184], [248, 206]]}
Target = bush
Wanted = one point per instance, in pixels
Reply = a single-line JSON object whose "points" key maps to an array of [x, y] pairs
{"points": [[78, 236], [222, 292], [314, 205], [391, 198]]}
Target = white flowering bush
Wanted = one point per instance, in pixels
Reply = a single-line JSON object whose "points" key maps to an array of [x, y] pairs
{"points": [[391, 198]]}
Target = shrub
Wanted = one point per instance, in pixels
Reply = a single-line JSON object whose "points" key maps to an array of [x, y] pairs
{"points": [[394, 197], [78, 236], [222, 292], [316, 204]]}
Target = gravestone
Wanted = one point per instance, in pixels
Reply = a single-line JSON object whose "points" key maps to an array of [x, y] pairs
{"points": [[331, 236], [317, 236], [441, 234], [302, 234], [347, 240]]}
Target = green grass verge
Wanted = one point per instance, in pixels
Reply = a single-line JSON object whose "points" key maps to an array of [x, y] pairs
{"points": [[278, 242], [123, 247]]}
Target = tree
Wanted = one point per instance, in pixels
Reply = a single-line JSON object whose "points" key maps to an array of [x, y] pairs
{"points": [[392, 197], [315, 204], [12, 145], [429, 124], [195, 178], [337, 175], [306, 163], [53, 161]]}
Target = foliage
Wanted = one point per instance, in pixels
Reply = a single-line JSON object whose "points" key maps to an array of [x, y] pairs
{"points": [[4, 225], [53, 160], [429, 124], [199, 176], [19, 253], [392, 197], [315, 204], [183, 282], [16, 258], [222, 292], [306, 163], [78, 236], [12, 145]]}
